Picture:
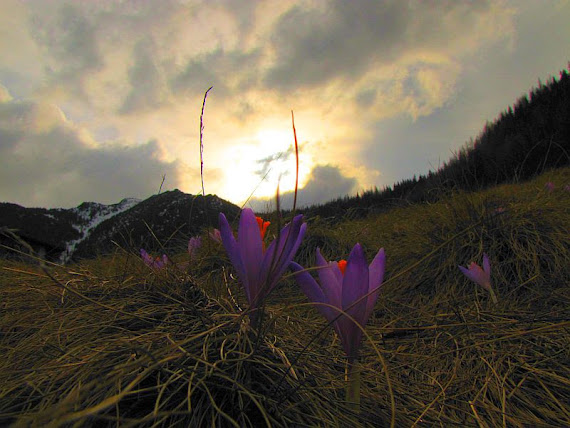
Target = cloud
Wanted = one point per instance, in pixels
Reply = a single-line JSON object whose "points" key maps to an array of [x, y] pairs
{"points": [[87, 48], [227, 71], [69, 39], [388, 57], [267, 162], [315, 45], [366, 97], [148, 86], [244, 13], [325, 183], [5, 95], [46, 161]]}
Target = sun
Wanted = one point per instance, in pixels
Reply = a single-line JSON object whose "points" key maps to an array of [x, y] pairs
{"points": [[258, 164]]}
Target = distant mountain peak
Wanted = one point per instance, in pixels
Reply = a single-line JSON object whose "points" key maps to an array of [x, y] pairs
{"points": [[94, 214], [92, 228]]}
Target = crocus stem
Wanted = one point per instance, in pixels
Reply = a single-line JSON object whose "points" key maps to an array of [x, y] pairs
{"points": [[493, 296], [352, 378]]}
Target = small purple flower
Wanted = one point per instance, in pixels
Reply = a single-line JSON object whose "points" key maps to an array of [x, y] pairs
{"points": [[260, 269], [157, 263], [567, 188], [215, 235], [549, 186], [481, 276], [340, 286], [193, 244], [478, 275]]}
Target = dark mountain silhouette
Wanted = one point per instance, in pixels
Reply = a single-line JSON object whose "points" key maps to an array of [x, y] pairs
{"points": [[164, 221], [46, 230]]}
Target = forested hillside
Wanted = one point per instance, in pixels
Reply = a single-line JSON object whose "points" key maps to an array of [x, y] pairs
{"points": [[527, 138]]}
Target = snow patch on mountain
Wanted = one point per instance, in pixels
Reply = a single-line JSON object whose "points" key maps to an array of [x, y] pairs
{"points": [[93, 214]]}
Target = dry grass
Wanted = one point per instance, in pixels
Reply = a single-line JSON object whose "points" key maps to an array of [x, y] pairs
{"points": [[122, 345]]}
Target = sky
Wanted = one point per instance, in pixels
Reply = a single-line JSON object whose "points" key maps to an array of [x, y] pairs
{"points": [[101, 99]]}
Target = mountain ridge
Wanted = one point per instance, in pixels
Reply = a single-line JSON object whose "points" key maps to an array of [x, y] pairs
{"points": [[164, 221]]}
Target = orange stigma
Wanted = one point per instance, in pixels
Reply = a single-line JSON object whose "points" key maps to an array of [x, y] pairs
{"points": [[342, 266], [263, 225]]}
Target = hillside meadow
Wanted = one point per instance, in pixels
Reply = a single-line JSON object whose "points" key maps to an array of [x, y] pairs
{"points": [[112, 342]]}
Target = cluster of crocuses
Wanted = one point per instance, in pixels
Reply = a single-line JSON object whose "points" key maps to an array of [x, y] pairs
{"points": [[343, 285], [345, 293], [154, 262]]}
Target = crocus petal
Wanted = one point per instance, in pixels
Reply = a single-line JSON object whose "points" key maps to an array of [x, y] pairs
{"points": [[477, 275], [331, 280], [276, 257], [312, 290], [487, 272], [473, 272], [231, 247], [280, 252], [486, 265], [194, 243], [375, 279], [215, 235], [250, 250], [146, 257], [288, 237], [355, 283], [354, 287]]}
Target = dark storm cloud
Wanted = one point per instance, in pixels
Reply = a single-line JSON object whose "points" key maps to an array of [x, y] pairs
{"points": [[344, 39], [366, 97], [226, 71], [244, 14], [325, 183], [45, 162], [315, 45], [71, 40], [80, 39], [199, 74], [146, 80]]}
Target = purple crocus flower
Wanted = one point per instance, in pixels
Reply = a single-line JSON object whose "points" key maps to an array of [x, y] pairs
{"points": [[157, 263], [193, 244], [480, 276], [341, 285], [215, 235], [260, 269], [549, 186], [146, 257]]}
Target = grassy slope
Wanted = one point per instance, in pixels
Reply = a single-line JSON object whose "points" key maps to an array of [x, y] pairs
{"points": [[123, 343]]}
